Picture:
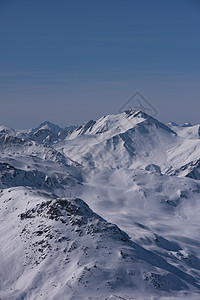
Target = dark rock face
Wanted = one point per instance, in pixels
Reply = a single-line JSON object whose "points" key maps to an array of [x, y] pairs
{"points": [[192, 170], [76, 213]]}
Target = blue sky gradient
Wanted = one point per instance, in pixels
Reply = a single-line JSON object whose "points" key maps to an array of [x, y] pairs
{"points": [[70, 61]]}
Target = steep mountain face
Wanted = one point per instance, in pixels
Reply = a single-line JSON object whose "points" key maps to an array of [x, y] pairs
{"points": [[191, 170], [106, 210]]}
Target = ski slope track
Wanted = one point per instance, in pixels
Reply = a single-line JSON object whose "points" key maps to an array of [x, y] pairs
{"points": [[107, 210]]}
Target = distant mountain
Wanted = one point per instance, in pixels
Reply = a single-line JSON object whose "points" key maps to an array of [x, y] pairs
{"points": [[49, 133], [186, 125], [106, 210]]}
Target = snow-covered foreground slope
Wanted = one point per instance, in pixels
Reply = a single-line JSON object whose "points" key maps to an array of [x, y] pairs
{"points": [[60, 249], [107, 210]]}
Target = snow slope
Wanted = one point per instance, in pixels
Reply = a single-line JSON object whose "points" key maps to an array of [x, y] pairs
{"points": [[106, 210]]}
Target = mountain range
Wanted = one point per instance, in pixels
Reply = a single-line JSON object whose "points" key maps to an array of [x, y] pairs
{"points": [[106, 210]]}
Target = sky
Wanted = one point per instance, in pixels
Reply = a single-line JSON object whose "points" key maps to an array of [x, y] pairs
{"points": [[71, 61]]}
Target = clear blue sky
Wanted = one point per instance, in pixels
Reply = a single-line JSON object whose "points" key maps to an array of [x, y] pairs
{"points": [[71, 61]]}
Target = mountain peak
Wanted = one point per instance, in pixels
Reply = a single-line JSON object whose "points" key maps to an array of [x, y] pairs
{"points": [[5, 129], [187, 124], [46, 125], [171, 123], [136, 113], [50, 126]]}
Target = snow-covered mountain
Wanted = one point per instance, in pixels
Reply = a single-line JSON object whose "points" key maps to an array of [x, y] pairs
{"points": [[132, 140], [106, 210], [48, 133]]}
